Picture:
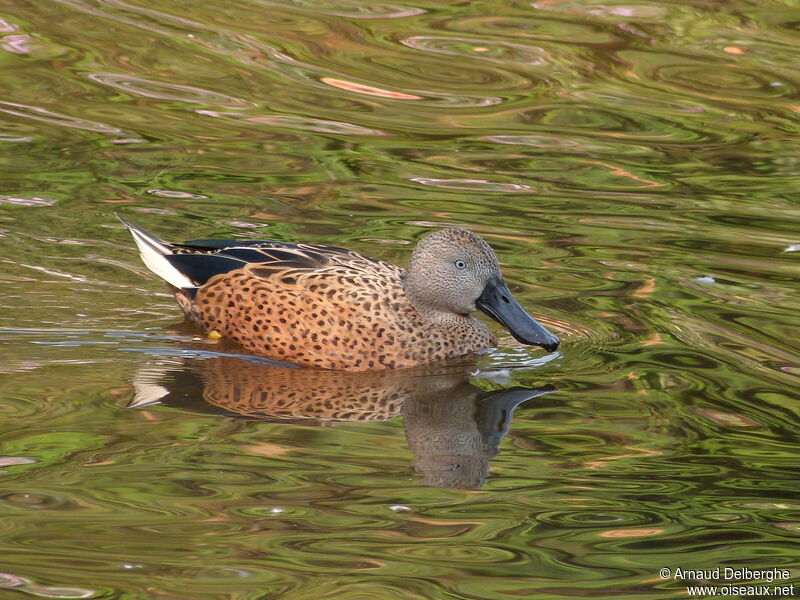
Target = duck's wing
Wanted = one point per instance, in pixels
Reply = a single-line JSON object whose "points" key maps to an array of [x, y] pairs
{"points": [[263, 259], [191, 264]]}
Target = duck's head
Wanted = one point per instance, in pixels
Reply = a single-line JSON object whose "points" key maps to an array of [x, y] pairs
{"points": [[454, 271]]}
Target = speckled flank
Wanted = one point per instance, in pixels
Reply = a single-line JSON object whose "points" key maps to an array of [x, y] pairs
{"points": [[351, 314]]}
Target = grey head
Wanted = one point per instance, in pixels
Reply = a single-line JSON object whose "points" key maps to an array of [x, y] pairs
{"points": [[455, 272]]}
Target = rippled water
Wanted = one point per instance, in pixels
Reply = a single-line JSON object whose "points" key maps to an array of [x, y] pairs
{"points": [[635, 166]]}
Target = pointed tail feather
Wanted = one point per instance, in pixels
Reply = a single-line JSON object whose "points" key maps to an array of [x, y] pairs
{"points": [[154, 253]]}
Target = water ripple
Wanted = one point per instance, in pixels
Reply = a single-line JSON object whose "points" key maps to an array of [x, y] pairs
{"points": [[29, 201], [167, 91], [295, 122], [472, 184], [352, 9], [42, 114], [324, 77], [500, 52], [711, 79], [531, 26], [23, 584], [637, 147]]}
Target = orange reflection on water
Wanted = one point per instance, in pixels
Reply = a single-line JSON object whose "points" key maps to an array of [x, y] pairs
{"points": [[733, 50], [369, 90], [625, 533], [731, 419], [646, 289], [653, 340], [264, 449], [601, 462], [620, 172]]}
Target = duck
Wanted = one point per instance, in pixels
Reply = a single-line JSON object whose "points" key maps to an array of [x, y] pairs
{"points": [[332, 308]]}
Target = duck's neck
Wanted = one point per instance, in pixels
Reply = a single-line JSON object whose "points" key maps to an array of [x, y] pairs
{"points": [[474, 334], [461, 325], [429, 312], [439, 317]]}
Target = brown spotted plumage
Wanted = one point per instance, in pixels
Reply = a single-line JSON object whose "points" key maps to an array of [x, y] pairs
{"points": [[336, 309]]}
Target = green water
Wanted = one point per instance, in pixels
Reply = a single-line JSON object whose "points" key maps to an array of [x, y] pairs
{"points": [[635, 166]]}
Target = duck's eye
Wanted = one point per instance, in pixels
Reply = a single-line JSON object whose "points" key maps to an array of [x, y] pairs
{"points": [[460, 264]]}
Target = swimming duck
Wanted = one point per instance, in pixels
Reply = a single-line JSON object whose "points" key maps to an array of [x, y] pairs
{"points": [[333, 308]]}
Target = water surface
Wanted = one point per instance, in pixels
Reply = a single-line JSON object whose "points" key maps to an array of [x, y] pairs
{"points": [[633, 164]]}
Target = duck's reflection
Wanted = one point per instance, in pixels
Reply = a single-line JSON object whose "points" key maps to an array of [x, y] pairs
{"points": [[453, 427]]}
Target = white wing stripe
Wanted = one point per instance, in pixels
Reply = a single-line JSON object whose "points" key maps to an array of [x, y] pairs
{"points": [[154, 252]]}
